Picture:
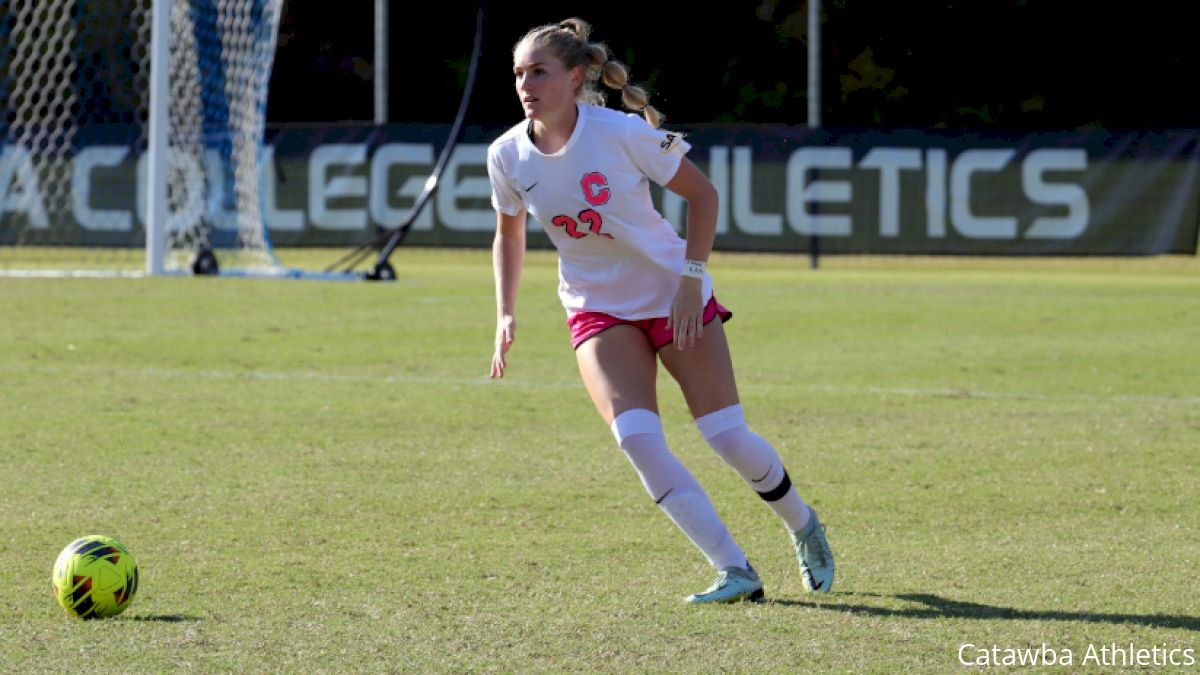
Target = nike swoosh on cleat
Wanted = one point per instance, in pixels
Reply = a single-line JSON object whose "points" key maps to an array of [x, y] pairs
{"points": [[813, 582], [664, 496], [531, 186]]}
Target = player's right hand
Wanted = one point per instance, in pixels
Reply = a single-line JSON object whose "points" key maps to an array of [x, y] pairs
{"points": [[506, 331]]}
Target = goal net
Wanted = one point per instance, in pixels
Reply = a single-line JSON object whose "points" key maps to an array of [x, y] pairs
{"points": [[74, 133]]}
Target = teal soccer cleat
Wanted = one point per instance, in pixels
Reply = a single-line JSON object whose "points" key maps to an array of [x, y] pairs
{"points": [[733, 584], [816, 560]]}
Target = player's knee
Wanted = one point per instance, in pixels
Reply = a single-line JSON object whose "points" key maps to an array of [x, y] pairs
{"points": [[634, 422], [639, 433], [726, 432], [754, 459]]}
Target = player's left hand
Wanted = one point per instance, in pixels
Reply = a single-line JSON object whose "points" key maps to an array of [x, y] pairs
{"points": [[686, 319]]}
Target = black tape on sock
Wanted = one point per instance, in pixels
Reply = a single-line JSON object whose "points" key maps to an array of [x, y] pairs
{"points": [[779, 491]]}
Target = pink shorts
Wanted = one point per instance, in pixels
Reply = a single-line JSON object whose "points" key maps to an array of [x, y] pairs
{"points": [[585, 325]]}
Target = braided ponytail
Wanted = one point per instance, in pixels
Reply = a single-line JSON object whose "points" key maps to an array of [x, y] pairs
{"points": [[615, 75], [568, 40]]}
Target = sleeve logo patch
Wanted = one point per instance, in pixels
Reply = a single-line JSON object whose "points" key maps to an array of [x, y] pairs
{"points": [[669, 143]]}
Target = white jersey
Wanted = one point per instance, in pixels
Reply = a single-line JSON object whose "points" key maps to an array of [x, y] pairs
{"points": [[616, 253]]}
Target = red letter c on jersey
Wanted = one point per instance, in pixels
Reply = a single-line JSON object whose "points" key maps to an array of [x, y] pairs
{"points": [[595, 188]]}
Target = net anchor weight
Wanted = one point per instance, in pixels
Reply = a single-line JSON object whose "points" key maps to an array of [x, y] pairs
{"points": [[204, 262], [383, 271]]}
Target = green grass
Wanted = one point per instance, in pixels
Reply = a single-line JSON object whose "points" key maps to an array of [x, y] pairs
{"points": [[319, 477]]}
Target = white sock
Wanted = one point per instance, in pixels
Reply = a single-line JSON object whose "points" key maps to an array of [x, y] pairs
{"points": [[756, 461], [673, 488]]}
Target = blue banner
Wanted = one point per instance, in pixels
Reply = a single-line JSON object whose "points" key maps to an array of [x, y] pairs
{"points": [[781, 189]]}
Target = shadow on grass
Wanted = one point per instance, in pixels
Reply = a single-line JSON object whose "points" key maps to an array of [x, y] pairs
{"points": [[937, 607], [165, 618]]}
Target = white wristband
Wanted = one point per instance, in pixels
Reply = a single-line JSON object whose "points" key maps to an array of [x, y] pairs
{"points": [[693, 268]]}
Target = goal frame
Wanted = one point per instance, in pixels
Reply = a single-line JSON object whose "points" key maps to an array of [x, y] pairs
{"points": [[156, 198]]}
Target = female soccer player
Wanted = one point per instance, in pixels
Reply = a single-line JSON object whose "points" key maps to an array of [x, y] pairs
{"points": [[631, 287]]}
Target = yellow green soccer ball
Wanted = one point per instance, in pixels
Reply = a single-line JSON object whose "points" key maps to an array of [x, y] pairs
{"points": [[94, 577]]}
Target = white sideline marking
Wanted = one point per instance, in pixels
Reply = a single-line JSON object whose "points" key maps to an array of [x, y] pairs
{"points": [[970, 393], [310, 376], [71, 274], [281, 376]]}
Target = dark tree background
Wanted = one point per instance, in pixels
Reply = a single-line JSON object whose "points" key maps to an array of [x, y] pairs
{"points": [[962, 64]]}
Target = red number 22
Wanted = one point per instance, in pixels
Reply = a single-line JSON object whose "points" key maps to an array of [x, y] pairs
{"points": [[589, 216]]}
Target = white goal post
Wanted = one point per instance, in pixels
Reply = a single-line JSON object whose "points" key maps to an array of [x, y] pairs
{"points": [[131, 126], [156, 196]]}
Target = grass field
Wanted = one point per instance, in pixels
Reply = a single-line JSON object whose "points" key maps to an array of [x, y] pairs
{"points": [[319, 476]]}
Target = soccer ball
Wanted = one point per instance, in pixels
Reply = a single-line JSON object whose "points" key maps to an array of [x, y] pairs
{"points": [[94, 577]]}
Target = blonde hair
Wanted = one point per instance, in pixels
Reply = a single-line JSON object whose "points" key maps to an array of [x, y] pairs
{"points": [[568, 41]]}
